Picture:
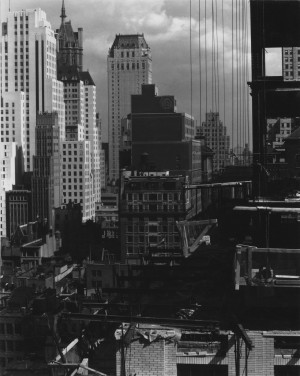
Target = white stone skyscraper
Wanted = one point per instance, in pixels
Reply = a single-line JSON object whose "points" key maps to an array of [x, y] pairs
{"points": [[80, 115], [129, 65], [216, 139], [28, 86], [77, 176], [28, 66]]}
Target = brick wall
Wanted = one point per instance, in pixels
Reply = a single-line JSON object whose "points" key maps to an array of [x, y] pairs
{"points": [[143, 359], [159, 358], [260, 360]]}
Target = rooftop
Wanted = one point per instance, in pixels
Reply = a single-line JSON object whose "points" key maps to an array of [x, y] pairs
{"points": [[128, 41]]}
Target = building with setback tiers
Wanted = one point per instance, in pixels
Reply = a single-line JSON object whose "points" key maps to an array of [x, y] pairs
{"points": [[129, 65], [28, 48], [28, 86], [79, 96]]}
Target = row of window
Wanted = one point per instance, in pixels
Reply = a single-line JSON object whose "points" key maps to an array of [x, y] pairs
{"points": [[10, 328], [151, 239], [153, 196], [167, 227], [7, 139], [128, 66], [75, 190], [153, 208], [128, 54]]}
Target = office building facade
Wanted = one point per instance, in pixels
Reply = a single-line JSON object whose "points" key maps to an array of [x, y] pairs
{"points": [[28, 48], [216, 139], [80, 104], [129, 65], [291, 63], [18, 210], [77, 177], [7, 179], [79, 96], [150, 205], [46, 179]]}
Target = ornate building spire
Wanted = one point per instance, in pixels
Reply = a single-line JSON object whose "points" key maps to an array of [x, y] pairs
{"points": [[63, 12]]}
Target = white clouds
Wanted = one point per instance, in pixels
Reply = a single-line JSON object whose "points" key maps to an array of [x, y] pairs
{"points": [[166, 26]]}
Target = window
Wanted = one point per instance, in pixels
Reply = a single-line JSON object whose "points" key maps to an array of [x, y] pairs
{"points": [[9, 328], [2, 345], [10, 345]]}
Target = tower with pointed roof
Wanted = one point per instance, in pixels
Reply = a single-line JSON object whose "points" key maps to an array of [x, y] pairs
{"points": [[129, 65], [83, 183], [70, 46]]}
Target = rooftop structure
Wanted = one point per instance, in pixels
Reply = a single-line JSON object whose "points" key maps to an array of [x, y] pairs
{"points": [[70, 45]]}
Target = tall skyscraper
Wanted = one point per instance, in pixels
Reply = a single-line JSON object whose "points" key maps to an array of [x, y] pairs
{"points": [[79, 97], [129, 65], [28, 85], [216, 139], [28, 48], [46, 192], [77, 177]]}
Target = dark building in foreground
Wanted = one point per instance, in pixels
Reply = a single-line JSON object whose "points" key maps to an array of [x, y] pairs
{"points": [[272, 96], [150, 205], [165, 159], [292, 153], [162, 139]]}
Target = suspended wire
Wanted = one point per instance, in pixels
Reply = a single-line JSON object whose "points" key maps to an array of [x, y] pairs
{"points": [[232, 76], [206, 78], [247, 73], [215, 70], [191, 59], [244, 5], [242, 81], [212, 58], [240, 114], [263, 147], [200, 64], [217, 66], [237, 74], [223, 64], [217, 59], [240, 96]]}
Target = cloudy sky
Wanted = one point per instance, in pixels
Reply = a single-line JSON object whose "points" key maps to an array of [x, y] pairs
{"points": [[170, 31]]}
